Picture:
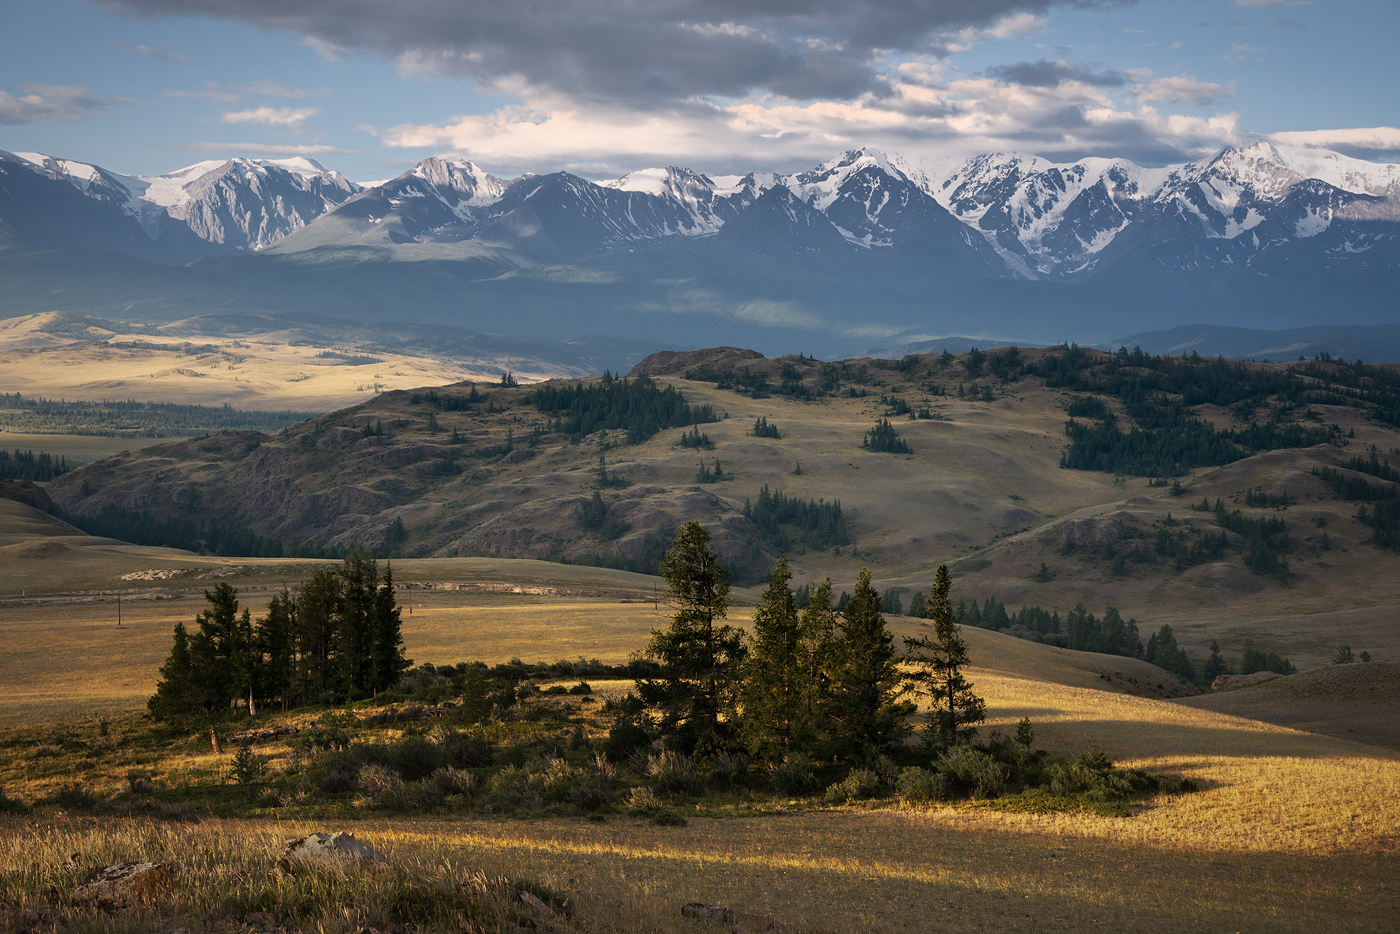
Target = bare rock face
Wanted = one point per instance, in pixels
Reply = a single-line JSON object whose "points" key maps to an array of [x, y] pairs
{"points": [[124, 884], [329, 851]]}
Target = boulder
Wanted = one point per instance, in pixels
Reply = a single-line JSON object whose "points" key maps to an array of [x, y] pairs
{"points": [[329, 851], [124, 884]]}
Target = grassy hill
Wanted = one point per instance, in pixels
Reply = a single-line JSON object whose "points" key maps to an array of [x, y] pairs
{"points": [[983, 489]]}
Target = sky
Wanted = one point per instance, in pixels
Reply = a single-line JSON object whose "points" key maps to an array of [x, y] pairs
{"points": [[603, 87]]}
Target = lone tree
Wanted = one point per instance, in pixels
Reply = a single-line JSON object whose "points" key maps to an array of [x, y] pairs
{"points": [[943, 655], [864, 712], [700, 657], [779, 689]]}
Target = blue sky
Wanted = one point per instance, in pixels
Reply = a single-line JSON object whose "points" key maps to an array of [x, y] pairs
{"points": [[599, 87]]}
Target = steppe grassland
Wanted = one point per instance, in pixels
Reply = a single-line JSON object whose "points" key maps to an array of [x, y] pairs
{"points": [[246, 374], [79, 450]]}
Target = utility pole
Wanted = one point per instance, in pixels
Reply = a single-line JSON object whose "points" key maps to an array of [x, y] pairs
{"points": [[119, 611]]}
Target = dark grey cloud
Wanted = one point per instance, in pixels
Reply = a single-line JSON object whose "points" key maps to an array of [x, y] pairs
{"points": [[1047, 74], [643, 52]]}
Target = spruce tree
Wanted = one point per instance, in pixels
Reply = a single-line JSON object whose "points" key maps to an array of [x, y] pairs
{"points": [[955, 709], [694, 695], [275, 650], [778, 686], [863, 711], [389, 661], [178, 693]]}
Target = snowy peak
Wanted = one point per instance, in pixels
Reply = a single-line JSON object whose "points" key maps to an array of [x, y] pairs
{"points": [[822, 185], [460, 182]]}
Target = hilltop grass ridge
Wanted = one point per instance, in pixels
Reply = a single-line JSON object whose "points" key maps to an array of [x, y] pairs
{"points": [[984, 490]]}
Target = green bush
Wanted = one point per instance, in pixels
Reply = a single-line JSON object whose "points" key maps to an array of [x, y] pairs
{"points": [[921, 786], [858, 785], [72, 797], [973, 771], [794, 775], [10, 805], [673, 772]]}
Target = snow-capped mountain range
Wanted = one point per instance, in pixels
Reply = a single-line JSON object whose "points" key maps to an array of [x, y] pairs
{"points": [[996, 215]]}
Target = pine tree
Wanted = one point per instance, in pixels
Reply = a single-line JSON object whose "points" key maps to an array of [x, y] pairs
{"points": [[221, 652], [955, 709], [355, 637], [864, 713], [275, 650], [317, 619], [178, 692], [694, 696], [778, 687], [389, 661]]}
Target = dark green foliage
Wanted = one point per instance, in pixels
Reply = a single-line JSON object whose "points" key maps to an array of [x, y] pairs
{"points": [[1265, 540], [895, 406], [1079, 630], [1383, 518], [705, 475], [891, 602], [763, 429], [1258, 498], [864, 712], [1090, 407], [596, 517], [1257, 660], [1191, 546], [133, 419], [447, 401], [342, 634], [1343, 655], [883, 439], [780, 696], [1215, 665], [694, 439], [26, 465], [694, 694], [785, 522], [1163, 652], [637, 406], [231, 539], [942, 654]]}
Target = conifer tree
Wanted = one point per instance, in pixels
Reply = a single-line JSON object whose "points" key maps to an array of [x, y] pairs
{"points": [[275, 650], [943, 656], [694, 696], [778, 688], [178, 692], [863, 710], [389, 661]]}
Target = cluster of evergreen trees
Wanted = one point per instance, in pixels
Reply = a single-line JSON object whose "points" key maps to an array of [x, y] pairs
{"points": [[26, 465], [131, 418], [813, 682], [638, 406], [338, 637], [814, 524], [884, 439], [1383, 517], [1079, 629], [229, 539]]}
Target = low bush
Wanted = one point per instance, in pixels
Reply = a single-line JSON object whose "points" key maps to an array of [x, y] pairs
{"points": [[794, 775], [973, 771], [921, 786], [858, 785]]}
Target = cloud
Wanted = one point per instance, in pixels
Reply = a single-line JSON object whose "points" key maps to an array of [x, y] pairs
{"points": [[162, 54], [1182, 89], [647, 52], [262, 149], [1377, 142], [1047, 74], [293, 118], [214, 95], [1243, 50], [931, 122], [52, 102]]}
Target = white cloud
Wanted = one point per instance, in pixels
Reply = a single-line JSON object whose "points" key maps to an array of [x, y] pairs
{"points": [[293, 118], [214, 95], [326, 50], [162, 54], [262, 149], [1181, 89], [52, 102], [1241, 51], [926, 119], [1019, 24], [1361, 142]]}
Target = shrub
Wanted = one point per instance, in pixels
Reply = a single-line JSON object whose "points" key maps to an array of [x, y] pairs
{"points": [[921, 786], [673, 772], [858, 785], [668, 819], [462, 750], [139, 783], [727, 770], [248, 767], [583, 687], [794, 775], [72, 797], [340, 771], [452, 781], [10, 805], [385, 789], [972, 770], [643, 798]]}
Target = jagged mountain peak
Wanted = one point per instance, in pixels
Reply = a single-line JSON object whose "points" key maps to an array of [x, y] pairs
{"points": [[459, 181]]}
